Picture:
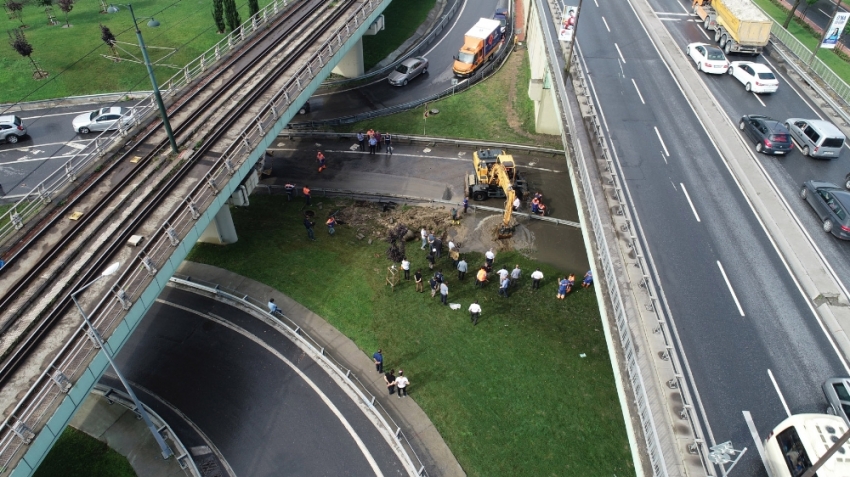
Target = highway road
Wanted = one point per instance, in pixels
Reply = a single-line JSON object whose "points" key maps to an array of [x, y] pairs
{"points": [[752, 343], [265, 404]]}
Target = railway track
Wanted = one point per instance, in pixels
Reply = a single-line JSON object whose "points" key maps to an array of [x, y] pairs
{"points": [[237, 84]]}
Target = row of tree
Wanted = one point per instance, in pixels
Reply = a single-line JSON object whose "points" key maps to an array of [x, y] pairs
{"points": [[226, 16], [15, 8]]}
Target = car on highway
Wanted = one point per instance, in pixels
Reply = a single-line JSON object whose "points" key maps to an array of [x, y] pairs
{"points": [[407, 70], [832, 204], [11, 129], [837, 392], [816, 137], [709, 59], [755, 77], [769, 135], [799, 441], [104, 119]]}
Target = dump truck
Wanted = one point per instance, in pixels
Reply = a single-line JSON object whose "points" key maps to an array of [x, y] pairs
{"points": [[495, 175], [738, 25], [479, 45]]}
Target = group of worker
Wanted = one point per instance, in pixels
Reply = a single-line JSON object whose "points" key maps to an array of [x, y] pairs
{"points": [[537, 205], [374, 139]]}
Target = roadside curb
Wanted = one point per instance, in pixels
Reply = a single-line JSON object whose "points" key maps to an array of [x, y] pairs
{"points": [[75, 101]]}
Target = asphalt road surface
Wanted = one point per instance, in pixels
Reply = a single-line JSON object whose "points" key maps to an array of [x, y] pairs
{"points": [[267, 406], [749, 337]]}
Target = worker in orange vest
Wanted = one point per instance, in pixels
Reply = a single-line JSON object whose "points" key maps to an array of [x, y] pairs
{"points": [[481, 277], [321, 159], [306, 192], [542, 209]]}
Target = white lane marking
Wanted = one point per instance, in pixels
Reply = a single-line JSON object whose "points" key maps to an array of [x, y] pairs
{"points": [[606, 25], [638, 92], [674, 185], [457, 17], [827, 14], [759, 100], [705, 34], [669, 19], [77, 146], [754, 433], [38, 159], [694, 209], [55, 115], [398, 155], [779, 392], [731, 290], [683, 8], [29, 148], [621, 53], [597, 3], [663, 157], [662, 141], [304, 377]]}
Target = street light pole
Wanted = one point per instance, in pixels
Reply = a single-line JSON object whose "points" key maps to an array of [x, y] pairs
{"points": [[166, 451], [162, 111]]}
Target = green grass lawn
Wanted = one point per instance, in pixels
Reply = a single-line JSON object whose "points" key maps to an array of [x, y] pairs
{"points": [[480, 112], [512, 396], [76, 454], [72, 56], [402, 17], [836, 63]]}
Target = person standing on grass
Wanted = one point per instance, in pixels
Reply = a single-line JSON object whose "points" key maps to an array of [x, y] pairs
{"points": [[474, 312], [378, 357], [320, 158], [461, 269], [424, 234], [401, 383], [439, 276], [405, 265], [361, 141], [309, 225], [515, 274], [438, 247], [455, 255], [489, 256], [444, 293], [588, 279], [306, 192], [431, 260], [417, 277], [331, 223], [536, 276], [503, 274], [562, 288], [434, 284], [503, 288], [481, 278], [389, 378], [290, 190]]}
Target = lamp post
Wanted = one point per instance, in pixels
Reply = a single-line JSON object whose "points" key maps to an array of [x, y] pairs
{"points": [[95, 336], [162, 111]]}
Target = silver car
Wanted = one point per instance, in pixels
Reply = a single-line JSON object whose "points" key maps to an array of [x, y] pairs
{"points": [[104, 119], [407, 70], [837, 392], [11, 129]]}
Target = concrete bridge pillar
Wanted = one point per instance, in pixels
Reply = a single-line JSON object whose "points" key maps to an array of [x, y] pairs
{"points": [[540, 87], [351, 65], [221, 230]]}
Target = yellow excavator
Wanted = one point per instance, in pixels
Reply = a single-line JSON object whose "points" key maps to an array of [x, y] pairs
{"points": [[496, 176]]}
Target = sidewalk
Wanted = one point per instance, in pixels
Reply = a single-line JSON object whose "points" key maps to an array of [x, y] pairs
{"points": [[429, 445]]}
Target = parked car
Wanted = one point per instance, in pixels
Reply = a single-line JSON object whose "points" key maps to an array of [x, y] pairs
{"points": [[407, 70], [11, 129], [832, 204], [816, 138], [769, 135], [709, 59], [837, 392], [305, 108], [104, 119], [755, 77]]}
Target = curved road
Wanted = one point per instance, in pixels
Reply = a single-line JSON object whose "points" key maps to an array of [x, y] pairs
{"points": [[268, 407]]}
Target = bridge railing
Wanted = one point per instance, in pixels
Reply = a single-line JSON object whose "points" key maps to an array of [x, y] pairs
{"points": [[296, 332], [40, 401], [28, 206]]}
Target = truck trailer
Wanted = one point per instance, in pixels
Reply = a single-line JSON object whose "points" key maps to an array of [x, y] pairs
{"points": [[479, 45], [738, 25]]}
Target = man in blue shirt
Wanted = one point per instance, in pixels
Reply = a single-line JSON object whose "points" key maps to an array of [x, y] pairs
{"points": [[273, 307], [379, 361]]}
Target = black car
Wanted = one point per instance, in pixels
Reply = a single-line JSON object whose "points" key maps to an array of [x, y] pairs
{"points": [[832, 204], [770, 136]]}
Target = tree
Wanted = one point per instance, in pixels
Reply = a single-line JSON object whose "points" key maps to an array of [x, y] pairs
{"points": [[24, 48], [218, 15], [48, 10], [794, 9], [66, 6], [253, 7], [15, 11], [108, 38], [231, 15]]}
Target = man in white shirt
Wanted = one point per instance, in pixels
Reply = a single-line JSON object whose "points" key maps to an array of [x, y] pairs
{"points": [[535, 279], [503, 274], [405, 265], [401, 383], [516, 204], [489, 257], [452, 246], [444, 293], [424, 234], [474, 312]]}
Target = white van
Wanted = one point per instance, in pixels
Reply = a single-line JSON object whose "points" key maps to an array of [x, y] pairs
{"points": [[799, 441]]}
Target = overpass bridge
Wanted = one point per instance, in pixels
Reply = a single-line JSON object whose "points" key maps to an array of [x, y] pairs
{"points": [[144, 208]]}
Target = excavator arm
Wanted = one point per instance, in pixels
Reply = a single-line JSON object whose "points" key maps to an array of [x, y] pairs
{"points": [[506, 229]]}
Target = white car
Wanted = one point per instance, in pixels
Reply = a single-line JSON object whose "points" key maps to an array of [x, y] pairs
{"points": [[709, 59], [756, 77], [103, 119]]}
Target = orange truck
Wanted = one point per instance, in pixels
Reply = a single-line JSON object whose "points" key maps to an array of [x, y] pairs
{"points": [[479, 45]]}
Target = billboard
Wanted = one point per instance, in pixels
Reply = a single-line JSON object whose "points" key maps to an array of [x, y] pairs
{"points": [[835, 29], [568, 23]]}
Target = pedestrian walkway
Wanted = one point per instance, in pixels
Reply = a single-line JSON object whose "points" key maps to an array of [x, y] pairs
{"points": [[424, 437]]}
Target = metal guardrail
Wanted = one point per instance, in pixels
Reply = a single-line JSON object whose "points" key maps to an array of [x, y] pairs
{"points": [[426, 42], [483, 73], [36, 405], [42, 194], [296, 332], [122, 398]]}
